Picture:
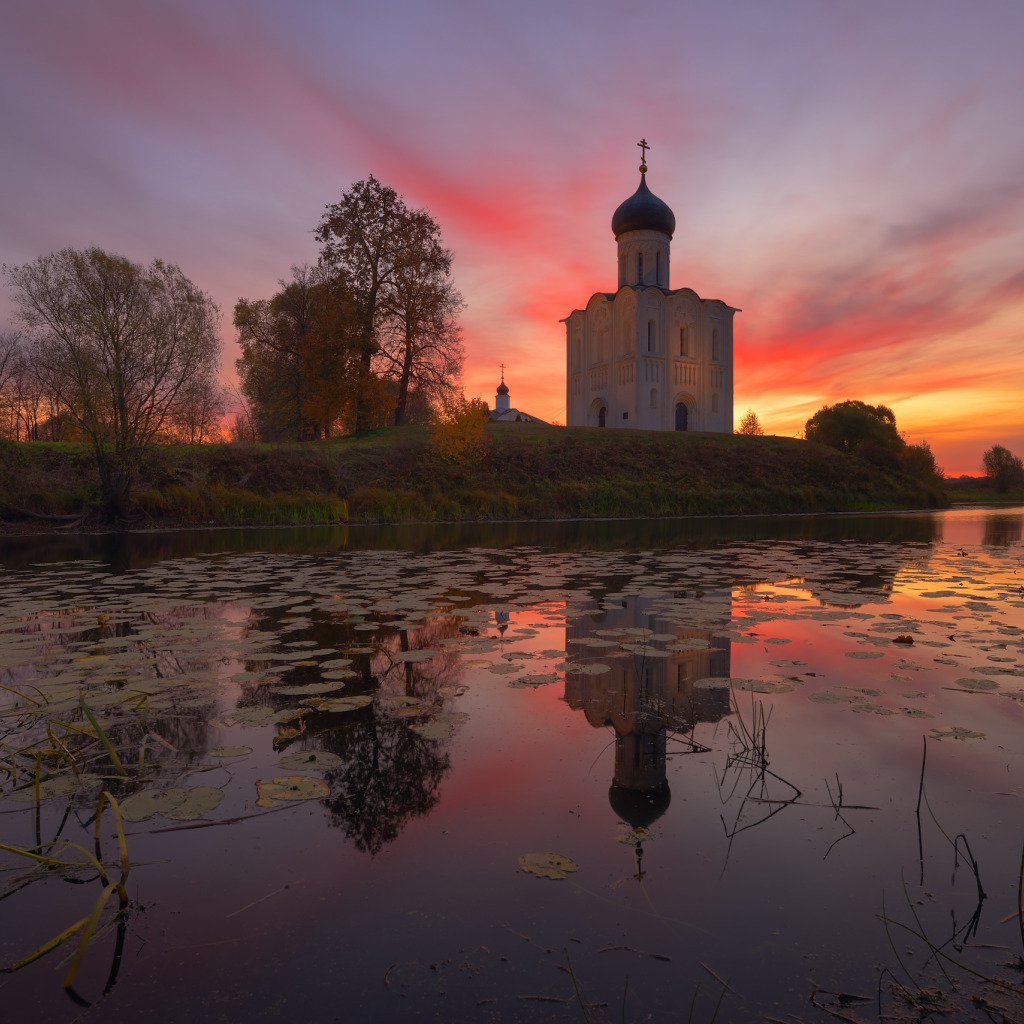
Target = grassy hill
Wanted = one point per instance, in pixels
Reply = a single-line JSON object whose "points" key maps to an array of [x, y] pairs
{"points": [[528, 472]]}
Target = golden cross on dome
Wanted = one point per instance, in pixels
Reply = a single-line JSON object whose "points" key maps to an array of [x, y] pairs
{"points": [[502, 373], [643, 155]]}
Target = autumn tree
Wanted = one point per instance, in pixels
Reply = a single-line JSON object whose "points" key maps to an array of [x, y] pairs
{"points": [[116, 347], [457, 432], [399, 276], [1003, 469], [300, 359], [750, 425]]}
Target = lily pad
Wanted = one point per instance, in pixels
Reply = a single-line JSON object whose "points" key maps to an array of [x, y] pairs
{"points": [[309, 759], [547, 865], [198, 802], [230, 751], [291, 787], [957, 732], [441, 726]]}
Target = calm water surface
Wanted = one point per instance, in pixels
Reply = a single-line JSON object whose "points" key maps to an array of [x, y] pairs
{"points": [[776, 763]]}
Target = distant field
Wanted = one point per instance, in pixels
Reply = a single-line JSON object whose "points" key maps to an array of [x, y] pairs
{"points": [[528, 471]]}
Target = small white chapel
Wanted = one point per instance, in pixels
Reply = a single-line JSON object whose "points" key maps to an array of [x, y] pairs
{"points": [[648, 356]]}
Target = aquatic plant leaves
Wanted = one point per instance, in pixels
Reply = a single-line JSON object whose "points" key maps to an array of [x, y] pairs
{"points": [[547, 865], [309, 759], [956, 733], [179, 803], [290, 787], [439, 726]]}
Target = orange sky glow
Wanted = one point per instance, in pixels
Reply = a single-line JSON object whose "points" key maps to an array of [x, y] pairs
{"points": [[847, 175]]}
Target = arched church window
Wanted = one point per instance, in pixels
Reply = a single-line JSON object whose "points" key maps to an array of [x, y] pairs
{"points": [[714, 344], [683, 347], [657, 267], [639, 268], [682, 414], [650, 335], [600, 346], [579, 351]]}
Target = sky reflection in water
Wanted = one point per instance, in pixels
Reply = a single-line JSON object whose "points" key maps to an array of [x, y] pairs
{"points": [[725, 736]]}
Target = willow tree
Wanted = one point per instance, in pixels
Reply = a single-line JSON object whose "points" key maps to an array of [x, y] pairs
{"points": [[399, 276], [118, 348]]}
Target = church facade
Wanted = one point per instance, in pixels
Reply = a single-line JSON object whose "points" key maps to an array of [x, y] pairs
{"points": [[648, 356]]}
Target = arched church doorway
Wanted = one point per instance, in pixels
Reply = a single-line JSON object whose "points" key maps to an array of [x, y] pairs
{"points": [[602, 417], [682, 415]]}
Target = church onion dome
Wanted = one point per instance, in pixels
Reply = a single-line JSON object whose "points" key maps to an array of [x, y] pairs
{"points": [[502, 388], [643, 211]]}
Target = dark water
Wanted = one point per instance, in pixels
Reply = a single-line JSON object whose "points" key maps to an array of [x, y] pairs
{"points": [[719, 727]]}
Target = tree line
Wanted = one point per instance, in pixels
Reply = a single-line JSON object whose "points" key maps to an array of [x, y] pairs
{"points": [[123, 356]]}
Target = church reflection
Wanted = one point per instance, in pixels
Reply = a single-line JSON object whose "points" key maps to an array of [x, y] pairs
{"points": [[649, 694]]}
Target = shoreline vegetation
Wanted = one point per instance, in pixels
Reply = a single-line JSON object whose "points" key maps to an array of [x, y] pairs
{"points": [[398, 475]]}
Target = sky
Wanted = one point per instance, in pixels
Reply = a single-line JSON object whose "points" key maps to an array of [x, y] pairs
{"points": [[848, 174]]}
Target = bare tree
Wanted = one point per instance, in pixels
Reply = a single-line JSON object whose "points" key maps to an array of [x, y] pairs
{"points": [[421, 342], [116, 346]]}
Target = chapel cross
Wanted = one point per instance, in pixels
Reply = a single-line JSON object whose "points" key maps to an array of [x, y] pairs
{"points": [[502, 373], [643, 153]]}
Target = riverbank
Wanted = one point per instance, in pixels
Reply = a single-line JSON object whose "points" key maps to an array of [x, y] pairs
{"points": [[395, 475]]}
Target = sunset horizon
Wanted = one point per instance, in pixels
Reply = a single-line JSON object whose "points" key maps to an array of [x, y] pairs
{"points": [[848, 182]]}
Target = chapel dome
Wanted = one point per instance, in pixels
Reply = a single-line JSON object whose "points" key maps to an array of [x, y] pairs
{"points": [[643, 211], [502, 388]]}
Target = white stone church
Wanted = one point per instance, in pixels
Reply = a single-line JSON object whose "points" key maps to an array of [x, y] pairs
{"points": [[649, 356]]}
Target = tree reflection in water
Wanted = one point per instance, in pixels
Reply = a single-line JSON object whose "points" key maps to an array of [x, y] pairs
{"points": [[389, 773]]}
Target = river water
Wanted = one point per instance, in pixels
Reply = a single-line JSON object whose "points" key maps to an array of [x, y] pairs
{"points": [[679, 770]]}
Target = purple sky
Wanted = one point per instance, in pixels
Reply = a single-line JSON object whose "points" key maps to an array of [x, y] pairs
{"points": [[851, 175]]}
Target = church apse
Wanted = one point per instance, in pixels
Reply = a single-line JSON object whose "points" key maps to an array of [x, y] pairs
{"points": [[657, 684]]}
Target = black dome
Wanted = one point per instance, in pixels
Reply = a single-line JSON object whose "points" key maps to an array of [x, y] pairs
{"points": [[502, 388], [643, 211], [639, 808]]}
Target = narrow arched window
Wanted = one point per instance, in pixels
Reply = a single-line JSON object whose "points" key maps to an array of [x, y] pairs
{"points": [[714, 344], [639, 268], [682, 341], [657, 267], [650, 335]]}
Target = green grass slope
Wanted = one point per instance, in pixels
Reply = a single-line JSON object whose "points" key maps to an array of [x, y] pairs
{"points": [[528, 472]]}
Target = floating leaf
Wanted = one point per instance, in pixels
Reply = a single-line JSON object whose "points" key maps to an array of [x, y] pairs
{"points": [[957, 732], [291, 787], [325, 687], [230, 751], [441, 726], [339, 704], [309, 759], [422, 655], [143, 805], [547, 865], [970, 683], [198, 802]]}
